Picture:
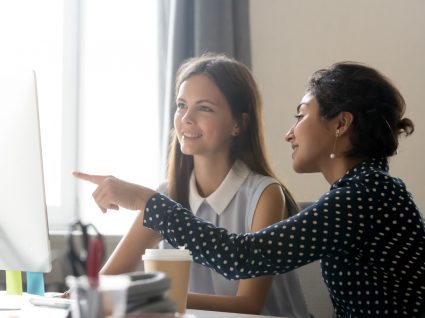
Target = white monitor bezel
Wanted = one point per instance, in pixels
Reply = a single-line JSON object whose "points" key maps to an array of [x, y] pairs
{"points": [[24, 231]]}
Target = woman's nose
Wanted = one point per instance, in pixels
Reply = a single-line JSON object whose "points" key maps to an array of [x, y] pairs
{"points": [[290, 134], [188, 117]]}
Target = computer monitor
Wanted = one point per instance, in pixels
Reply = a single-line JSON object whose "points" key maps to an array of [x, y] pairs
{"points": [[24, 235]]}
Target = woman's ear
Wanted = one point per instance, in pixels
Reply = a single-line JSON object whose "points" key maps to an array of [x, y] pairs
{"points": [[241, 125], [236, 130], [344, 121]]}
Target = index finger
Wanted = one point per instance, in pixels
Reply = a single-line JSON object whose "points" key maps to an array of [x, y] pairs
{"points": [[96, 179]]}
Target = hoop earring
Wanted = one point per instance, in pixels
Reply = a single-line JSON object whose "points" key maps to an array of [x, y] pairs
{"points": [[332, 155]]}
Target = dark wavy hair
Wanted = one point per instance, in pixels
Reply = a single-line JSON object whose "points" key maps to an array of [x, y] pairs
{"points": [[238, 86], [376, 104]]}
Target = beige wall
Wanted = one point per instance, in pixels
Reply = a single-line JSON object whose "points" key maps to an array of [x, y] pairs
{"points": [[293, 38]]}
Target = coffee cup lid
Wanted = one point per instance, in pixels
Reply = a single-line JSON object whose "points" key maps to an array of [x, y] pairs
{"points": [[167, 255]]}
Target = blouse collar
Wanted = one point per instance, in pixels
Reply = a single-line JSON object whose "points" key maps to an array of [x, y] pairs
{"points": [[221, 197], [364, 167]]}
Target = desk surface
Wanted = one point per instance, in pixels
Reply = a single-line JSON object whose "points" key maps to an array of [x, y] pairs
{"points": [[8, 302], [34, 311], [29, 310], [218, 314]]}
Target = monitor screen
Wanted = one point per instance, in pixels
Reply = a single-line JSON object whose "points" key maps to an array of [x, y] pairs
{"points": [[24, 235]]}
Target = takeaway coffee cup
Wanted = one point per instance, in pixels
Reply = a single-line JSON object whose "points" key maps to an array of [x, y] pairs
{"points": [[175, 263]]}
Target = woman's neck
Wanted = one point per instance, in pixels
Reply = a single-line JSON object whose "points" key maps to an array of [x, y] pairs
{"points": [[339, 166], [210, 173]]}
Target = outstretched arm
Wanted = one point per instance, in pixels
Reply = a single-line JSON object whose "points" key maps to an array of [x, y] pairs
{"points": [[279, 248]]}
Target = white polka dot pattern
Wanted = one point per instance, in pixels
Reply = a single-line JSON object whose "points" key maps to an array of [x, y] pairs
{"points": [[367, 232]]}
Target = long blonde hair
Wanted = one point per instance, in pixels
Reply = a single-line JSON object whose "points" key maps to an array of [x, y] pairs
{"points": [[237, 84]]}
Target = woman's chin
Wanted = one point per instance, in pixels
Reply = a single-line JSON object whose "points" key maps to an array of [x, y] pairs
{"points": [[296, 167], [299, 167], [298, 170]]}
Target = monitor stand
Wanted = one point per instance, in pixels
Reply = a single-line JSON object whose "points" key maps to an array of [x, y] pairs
{"points": [[11, 299]]}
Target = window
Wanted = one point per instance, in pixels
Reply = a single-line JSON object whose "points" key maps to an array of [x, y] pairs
{"points": [[118, 127], [96, 66], [32, 37]]}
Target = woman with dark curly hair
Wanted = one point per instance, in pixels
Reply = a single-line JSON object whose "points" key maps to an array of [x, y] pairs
{"points": [[367, 230]]}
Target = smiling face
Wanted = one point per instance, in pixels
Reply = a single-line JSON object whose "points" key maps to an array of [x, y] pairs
{"points": [[311, 137], [203, 120]]}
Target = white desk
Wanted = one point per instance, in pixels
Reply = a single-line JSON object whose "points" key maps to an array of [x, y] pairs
{"points": [[27, 309], [30, 311], [34, 312], [218, 314]]}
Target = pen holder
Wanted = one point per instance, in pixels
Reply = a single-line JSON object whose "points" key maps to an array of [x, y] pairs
{"points": [[108, 299], [87, 300]]}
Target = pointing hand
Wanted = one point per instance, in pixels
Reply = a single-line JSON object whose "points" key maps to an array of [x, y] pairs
{"points": [[112, 193]]}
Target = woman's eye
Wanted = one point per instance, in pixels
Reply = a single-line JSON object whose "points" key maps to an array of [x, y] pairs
{"points": [[205, 108], [181, 105], [298, 117]]}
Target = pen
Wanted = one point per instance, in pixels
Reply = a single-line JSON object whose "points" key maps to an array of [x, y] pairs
{"points": [[94, 260]]}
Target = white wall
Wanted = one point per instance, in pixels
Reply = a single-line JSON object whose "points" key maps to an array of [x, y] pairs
{"points": [[293, 38]]}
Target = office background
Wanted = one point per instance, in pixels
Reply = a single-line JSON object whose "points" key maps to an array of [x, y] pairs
{"points": [[291, 39]]}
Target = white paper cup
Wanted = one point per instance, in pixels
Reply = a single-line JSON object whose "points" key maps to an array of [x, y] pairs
{"points": [[175, 263]]}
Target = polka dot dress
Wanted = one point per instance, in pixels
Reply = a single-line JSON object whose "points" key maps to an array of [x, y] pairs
{"points": [[366, 231]]}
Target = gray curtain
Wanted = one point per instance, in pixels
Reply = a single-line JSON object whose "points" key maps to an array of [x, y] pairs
{"points": [[190, 28]]}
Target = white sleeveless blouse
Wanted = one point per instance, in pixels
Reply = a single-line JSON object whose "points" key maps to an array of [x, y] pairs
{"points": [[232, 206]]}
